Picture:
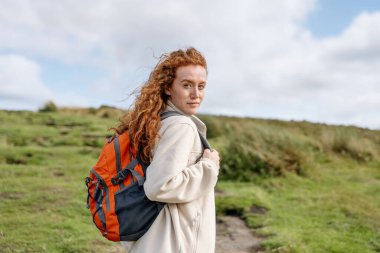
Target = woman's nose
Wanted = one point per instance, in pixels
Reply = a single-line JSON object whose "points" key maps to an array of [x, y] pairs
{"points": [[195, 93]]}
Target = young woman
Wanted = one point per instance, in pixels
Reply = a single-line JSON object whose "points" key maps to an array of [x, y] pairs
{"points": [[180, 173]]}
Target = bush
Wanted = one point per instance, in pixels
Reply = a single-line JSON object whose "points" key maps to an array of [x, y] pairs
{"points": [[214, 128], [49, 107], [347, 142], [240, 163]]}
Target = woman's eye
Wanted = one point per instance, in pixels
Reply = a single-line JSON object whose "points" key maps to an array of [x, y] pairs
{"points": [[201, 87], [186, 85]]}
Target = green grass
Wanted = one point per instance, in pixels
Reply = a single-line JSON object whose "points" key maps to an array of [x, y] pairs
{"points": [[304, 187], [43, 209], [42, 190], [336, 210]]}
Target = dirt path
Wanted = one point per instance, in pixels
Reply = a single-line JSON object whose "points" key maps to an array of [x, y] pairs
{"points": [[232, 236]]}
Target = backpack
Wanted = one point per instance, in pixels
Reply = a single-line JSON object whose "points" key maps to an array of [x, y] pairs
{"points": [[116, 197]]}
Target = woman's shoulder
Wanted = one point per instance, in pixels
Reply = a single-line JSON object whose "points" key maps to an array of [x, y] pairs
{"points": [[178, 129], [177, 120]]}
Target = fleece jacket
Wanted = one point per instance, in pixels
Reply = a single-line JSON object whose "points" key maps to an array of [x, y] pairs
{"points": [[180, 177]]}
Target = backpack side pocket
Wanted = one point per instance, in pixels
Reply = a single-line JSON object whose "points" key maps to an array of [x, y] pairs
{"points": [[97, 194], [135, 212]]}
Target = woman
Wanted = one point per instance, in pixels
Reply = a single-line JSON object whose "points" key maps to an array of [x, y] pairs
{"points": [[180, 173]]}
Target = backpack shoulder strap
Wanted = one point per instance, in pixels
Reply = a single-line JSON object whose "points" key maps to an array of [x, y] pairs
{"points": [[168, 114]]}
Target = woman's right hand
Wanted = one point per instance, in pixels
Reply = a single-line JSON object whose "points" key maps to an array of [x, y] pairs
{"points": [[213, 155]]}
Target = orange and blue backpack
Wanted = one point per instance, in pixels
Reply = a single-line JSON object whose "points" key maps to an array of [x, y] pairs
{"points": [[116, 197]]}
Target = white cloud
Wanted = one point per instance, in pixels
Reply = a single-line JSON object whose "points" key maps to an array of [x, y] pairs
{"points": [[20, 83], [263, 61], [335, 80]]}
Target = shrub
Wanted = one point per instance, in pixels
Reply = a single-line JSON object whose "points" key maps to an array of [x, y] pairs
{"points": [[214, 128], [242, 163], [348, 143], [49, 107]]}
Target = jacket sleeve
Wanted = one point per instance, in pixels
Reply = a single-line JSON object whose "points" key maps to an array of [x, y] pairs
{"points": [[169, 179]]}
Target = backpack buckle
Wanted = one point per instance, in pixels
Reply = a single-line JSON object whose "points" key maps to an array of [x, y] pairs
{"points": [[115, 180], [121, 175]]}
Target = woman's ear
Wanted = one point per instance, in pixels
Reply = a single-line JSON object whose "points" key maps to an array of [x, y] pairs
{"points": [[167, 91]]}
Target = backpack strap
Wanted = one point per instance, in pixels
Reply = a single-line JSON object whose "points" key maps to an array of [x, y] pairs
{"points": [[204, 141], [168, 114], [121, 175], [116, 145], [143, 164]]}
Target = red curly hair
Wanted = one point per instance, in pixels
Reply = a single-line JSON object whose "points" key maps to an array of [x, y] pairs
{"points": [[143, 119]]}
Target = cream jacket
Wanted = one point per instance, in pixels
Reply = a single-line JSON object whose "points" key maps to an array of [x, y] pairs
{"points": [[187, 223]]}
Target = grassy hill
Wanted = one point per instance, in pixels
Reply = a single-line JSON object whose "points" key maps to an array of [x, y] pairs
{"points": [[304, 187]]}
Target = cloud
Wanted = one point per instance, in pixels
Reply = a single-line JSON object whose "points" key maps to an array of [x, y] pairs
{"points": [[124, 31], [20, 83], [263, 62], [331, 80]]}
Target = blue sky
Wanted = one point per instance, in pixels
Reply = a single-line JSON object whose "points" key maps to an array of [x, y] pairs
{"points": [[331, 17], [314, 60]]}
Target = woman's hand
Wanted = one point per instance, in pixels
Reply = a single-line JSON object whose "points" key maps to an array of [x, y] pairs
{"points": [[213, 155]]}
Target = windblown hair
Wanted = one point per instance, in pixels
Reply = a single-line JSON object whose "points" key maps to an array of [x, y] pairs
{"points": [[143, 118]]}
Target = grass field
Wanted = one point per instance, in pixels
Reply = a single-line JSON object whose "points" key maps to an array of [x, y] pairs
{"points": [[304, 187]]}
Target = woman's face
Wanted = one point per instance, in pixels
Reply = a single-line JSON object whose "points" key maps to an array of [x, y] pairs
{"points": [[188, 88]]}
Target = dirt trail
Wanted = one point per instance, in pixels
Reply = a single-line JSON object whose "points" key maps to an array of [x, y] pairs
{"points": [[232, 236]]}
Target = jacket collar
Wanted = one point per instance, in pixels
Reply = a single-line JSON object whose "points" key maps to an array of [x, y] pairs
{"points": [[200, 125]]}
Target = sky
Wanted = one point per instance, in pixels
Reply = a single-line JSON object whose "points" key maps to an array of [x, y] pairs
{"points": [[314, 60]]}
